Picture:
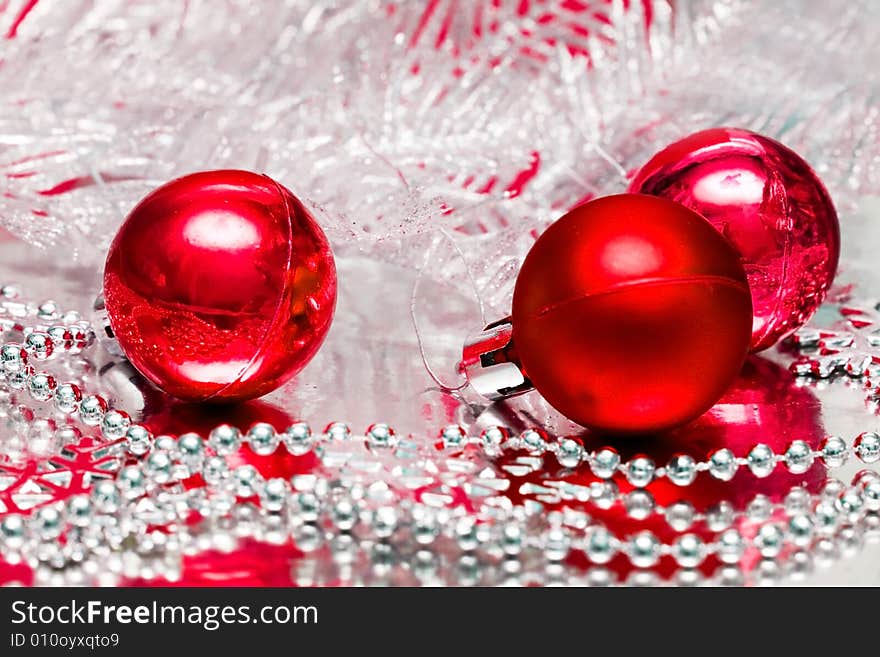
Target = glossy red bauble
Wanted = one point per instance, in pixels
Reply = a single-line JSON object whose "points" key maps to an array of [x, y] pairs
{"points": [[770, 204], [631, 314], [220, 286]]}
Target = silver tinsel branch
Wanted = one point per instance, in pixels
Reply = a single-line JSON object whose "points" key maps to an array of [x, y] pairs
{"points": [[410, 122]]}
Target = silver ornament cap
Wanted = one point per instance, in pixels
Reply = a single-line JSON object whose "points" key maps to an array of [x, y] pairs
{"points": [[489, 361]]}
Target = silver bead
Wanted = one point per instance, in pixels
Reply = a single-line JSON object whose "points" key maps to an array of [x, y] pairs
{"points": [[491, 439], [41, 386], [557, 544], [640, 471], [48, 310], [642, 578], [723, 464], [47, 523], [79, 510], [799, 565], [688, 551], [761, 461], [215, 470], [871, 494], [832, 488], [425, 527], [834, 452], [826, 517], [13, 357], [688, 577], [867, 447], [799, 457], [67, 397], [511, 539], [604, 494], [131, 481], [850, 540], [380, 435], [39, 345], [138, 440], [106, 497], [158, 466], [92, 409], [247, 480], [13, 530], [600, 545], [532, 441], [569, 453], [768, 572], [453, 436], [680, 515], [344, 515], [307, 507], [262, 439], [468, 570], [851, 504], [191, 451], [298, 438], [224, 439], [18, 380], [466, 534], [115, 424], [337, 431], [643, 549], [731, 546], [605, 463], [796, 501], [60, 335], [601, 577], [307, 537], [759, 509], [384, 521], [800, 529], [165, 443], [730, 575], [681, 470], [720, 516], [769, 540], [639, 504], [10, 291], [273, 494]]}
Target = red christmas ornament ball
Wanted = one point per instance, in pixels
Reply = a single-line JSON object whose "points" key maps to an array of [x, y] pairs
{"points": [[631, 314], [220, 286], [770, 204]]}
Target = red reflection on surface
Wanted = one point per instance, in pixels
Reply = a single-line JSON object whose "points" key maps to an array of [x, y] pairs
{"points": [[764, 405], [252, 563]]}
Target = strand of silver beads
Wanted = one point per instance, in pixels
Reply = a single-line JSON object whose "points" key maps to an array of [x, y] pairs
{"points": [[682, 469], [317, 512], [320, 511]]}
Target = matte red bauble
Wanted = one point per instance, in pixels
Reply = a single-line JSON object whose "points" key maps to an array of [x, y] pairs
{"points": [[630, 314], [770, 204], [220, 286]]}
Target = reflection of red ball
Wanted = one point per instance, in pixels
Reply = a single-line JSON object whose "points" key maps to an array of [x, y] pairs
{"points": [[220, 286], [770, 204], [631, 314]]}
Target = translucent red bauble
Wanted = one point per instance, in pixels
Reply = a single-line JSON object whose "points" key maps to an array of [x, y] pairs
{"points": [[770, 204], [220, 286], [631, 314]]}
